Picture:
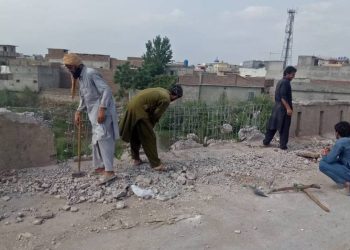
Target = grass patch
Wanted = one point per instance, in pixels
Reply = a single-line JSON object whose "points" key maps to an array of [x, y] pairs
{"points": [[25, 98]]}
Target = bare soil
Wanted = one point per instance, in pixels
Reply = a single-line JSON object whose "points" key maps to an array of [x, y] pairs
{"points": [[214, 211]]}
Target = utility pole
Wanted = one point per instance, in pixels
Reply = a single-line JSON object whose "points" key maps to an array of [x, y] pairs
{"points": [[286, 56]]}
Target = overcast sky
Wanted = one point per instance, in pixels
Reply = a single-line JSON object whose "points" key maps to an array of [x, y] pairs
{"points": [[199, 30]]}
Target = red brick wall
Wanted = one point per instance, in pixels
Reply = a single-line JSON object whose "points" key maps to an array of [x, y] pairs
{"points": [[226, 80]]}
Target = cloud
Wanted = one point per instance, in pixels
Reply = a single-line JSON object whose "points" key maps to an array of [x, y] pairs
{"points": [[155, 18], [320, 28], [255, 12], [248, 13], [320, 7], [198, 30], [177, 13], [252, 15]]}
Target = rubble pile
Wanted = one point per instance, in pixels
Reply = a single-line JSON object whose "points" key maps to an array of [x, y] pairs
{"points": [[226, 164], [59, 183]]}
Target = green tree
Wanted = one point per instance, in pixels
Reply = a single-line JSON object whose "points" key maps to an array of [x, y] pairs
{"points": [[152, 73], [164, 81], [158, 55], [125, 76], [142, 79]]}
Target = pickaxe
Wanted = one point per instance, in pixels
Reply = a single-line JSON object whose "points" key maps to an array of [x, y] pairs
{"points": [[303, 188]]}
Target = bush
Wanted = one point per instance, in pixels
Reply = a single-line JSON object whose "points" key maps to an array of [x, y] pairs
{"points": [[26, 98], [8, 98]]}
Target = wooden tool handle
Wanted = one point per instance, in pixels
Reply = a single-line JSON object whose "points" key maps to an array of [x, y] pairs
{"points": [[297, 187], [312, 197], [79, 145]]}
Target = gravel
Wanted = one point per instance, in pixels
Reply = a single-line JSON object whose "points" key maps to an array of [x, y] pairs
{"points": [[223, 164]]}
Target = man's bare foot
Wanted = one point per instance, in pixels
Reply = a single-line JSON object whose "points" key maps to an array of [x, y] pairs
{"points": [[138, 162], [347, 188], [161, 167]]}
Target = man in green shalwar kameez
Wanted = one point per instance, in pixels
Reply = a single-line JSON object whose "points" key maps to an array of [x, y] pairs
{"points": [[143, 112]]}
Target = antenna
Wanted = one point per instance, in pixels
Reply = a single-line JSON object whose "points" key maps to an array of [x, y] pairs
{"points": [[286, 56]]}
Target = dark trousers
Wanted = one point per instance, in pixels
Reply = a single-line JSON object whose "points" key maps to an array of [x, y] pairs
{"points": [[283, 131], [144, 135]]}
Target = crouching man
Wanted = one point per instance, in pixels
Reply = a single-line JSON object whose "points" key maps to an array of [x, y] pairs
{"points": [[335, 162]]}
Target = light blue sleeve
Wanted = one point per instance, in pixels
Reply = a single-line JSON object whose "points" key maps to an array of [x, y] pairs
{"points": [[333, 155], [103, 88], [82, 104]]}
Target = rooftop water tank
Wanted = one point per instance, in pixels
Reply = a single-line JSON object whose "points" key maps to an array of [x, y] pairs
{"points": [[186, 63]]}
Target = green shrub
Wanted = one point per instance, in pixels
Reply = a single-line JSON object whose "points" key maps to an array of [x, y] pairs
{"points": [[25, 98], [206, 120]]}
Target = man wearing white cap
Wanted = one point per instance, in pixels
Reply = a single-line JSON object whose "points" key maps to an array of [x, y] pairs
{"points": [[97, 99]]}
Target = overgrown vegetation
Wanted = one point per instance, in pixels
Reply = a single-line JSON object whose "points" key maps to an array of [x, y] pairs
{"points": [[66, 135], [206, 120], [25, 98]]}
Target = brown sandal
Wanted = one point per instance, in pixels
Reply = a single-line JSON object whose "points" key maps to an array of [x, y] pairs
{"points": [[138, 162], [98, 171], [161, 167]]}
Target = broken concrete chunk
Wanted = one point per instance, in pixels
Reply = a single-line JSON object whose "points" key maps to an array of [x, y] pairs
{"points": [[226, 128], [19, 219], [38, 221], [120, 205], [191, 176], [45, 185], [143, 181], [185, 144], [119, 195], [25, 235], [46, 216], [74, 209], [181, 179], [6, 198], [250, 134], [166, 196], [193, 137], [29, 147], [82, 199], [20, 214], [66, 208]]}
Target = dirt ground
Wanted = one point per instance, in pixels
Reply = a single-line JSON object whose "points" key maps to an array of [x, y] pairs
{"points": [[217, 211]]}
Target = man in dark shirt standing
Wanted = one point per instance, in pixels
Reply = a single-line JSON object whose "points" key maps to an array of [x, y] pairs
{"points": [[282, 111]]}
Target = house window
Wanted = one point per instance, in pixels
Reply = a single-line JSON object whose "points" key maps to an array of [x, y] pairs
{"points": [[35, 81], [17, 80], [250, 96]]}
